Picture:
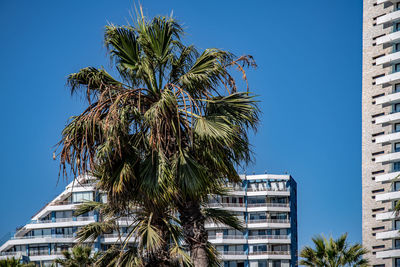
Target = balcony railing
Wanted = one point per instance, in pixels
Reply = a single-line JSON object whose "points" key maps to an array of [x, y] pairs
{"points": [[79, 219], [42, 236], [285, 252], [281, 205], [251, 205], [232, 252], [269, 221], [258, 189], [227, 237], [226, 205], [252, 237]]}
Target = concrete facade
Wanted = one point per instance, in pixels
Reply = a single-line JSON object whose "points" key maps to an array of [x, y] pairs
{"points": [[379, 128]]}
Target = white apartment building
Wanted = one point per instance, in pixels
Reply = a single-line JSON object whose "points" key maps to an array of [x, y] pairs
{"points": [[381, 131], [266, 204]]}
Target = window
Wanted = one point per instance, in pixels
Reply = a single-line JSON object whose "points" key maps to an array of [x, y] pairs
{"points": [[396, 186], [396, 67], [276, 263], [397, 87], [396, 147], [397, 127], [396, 107], [398, 6], [397, 225], [397, 243], [397, 26], [86, 196], [397, 262]]}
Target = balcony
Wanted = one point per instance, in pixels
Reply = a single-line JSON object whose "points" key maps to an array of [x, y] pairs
{"points": [[388, 158], [227, 239], [390, 253], [262, 223], [391, 215], [388, 196], [257, 191], [388, 38], [230, 206], [388, 18], [387, 176], [280, 205], [388, 99], [385, 1], [281, 239], [390, 118], [233, 255], [41, 236], [388, 138], [259, 255], [388, 234]]}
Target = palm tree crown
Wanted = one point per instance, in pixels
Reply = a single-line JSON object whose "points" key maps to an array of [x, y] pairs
{"points": [[80, 256], [333, 253]]}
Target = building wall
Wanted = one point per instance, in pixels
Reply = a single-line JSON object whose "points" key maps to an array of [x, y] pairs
{"points": [[370, 207]]}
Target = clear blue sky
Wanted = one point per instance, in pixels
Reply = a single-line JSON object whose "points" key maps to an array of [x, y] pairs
{"points": [[308, 79]]}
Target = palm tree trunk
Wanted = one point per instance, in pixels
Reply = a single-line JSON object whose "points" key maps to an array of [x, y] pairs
{"points": [[194, 232]]}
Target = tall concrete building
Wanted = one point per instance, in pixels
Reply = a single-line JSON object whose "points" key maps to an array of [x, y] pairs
{"points": [[381, 130]]}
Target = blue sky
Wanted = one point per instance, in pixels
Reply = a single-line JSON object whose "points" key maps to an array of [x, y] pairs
{"points": [[308, 81]]}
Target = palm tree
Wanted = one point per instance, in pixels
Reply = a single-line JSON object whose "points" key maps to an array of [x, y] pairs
{"points": [[173, 128], [80, 256], [333, 253], [13, 262]]}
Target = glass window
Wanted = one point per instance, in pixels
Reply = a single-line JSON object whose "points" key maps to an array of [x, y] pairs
{"points": [[397, 87], [397, 67], [397, 47], [397, 225], [87, 196], [396, 107], [397, 26], [397, 243], [396, 147], [397, 127], [396, 166], [397, 5], [397, 262], [276, 263]]}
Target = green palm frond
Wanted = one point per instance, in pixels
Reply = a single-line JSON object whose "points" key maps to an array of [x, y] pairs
{"points": [[94, 230], [333, 253], [225, 217]]}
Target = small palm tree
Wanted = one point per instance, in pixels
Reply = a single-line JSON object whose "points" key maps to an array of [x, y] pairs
{"points": [[80, 256], [333, 253], [13, 262]]}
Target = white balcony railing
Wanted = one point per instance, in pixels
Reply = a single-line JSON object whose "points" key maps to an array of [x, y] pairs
{"points": [[42, 236], [253, 237], [227, 237], [388, 38], [390, 17], [269, 221], [270, 252], [280, 205]]}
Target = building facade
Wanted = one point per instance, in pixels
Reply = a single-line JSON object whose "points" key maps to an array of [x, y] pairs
{"points": [[381, 131], [266, 204]]}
